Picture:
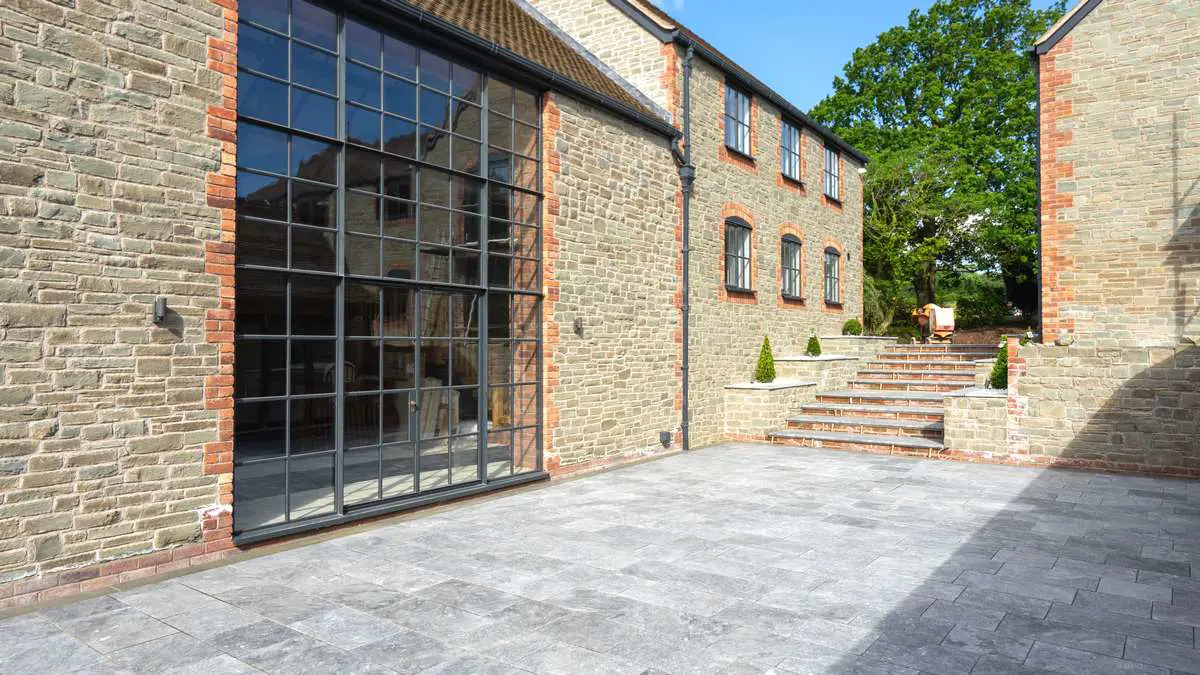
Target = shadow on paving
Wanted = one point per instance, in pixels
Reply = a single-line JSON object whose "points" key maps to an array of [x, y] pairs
{"points": [[1042, 570]]}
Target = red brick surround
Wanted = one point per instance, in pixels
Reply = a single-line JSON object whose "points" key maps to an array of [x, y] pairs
{"points": [[1053, 108], [732, 210], [551, 124], [723, 153], [780, 301]]}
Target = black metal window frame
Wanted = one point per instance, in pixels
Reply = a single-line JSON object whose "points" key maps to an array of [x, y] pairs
{"points": [[791, 262], [832, 173], [500, 168], [789, 150], [833, 272], [738, 119], [739, 249]]}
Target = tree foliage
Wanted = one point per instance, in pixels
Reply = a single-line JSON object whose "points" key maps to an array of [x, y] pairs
{"points": [[945, 109]]}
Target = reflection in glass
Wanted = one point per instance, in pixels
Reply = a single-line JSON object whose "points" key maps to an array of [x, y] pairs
{"points": [[314, 113], [262, 98], [261, 148], [312, 425], [261, 303], [362, 365], [313, 306], [362, 126], [311, 159], [261, 196], [260, 368], [362, 85], [311, 482], [314, 24], [260, 429], [258, 494], [313, 368], [400, 97], [399, 57], [260, 243], [314, 68], [399, 136], [362, 43]]}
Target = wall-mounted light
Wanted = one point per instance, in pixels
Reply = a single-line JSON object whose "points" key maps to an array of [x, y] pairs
{"points": [[160, 309], [578, 326], [664, 437]]}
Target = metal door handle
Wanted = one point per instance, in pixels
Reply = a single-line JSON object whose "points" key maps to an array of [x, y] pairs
{"points": [[412, 405]]}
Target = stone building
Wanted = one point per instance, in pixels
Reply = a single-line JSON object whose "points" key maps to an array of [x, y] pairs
{"points": [[274, 265], [1115, 382], [759, 162]]}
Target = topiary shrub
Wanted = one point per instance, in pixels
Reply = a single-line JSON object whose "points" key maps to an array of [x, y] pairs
{"points": [[998, 379], [765, 370], [852, 327], [814, 346]]}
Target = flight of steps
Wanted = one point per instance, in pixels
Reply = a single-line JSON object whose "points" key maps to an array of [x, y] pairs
{"points": [[893, 405]]}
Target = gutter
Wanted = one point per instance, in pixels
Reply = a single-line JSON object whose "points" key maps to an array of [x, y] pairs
{"points": [[386, 10], [679, 36]]}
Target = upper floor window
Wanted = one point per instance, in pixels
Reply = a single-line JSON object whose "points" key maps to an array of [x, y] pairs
{"points": [[789, 256], [737, 255], [789, 151], [737, 120], [832, 175], [833, 281]]}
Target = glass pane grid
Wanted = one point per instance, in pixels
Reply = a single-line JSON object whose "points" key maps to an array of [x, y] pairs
{"points": [[312, 389]]}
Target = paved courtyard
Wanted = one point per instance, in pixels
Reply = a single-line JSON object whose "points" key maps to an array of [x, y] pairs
{"points": [[735, 559]]}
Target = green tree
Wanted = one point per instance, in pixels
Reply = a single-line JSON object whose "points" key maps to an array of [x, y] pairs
{"points": [[945, 108]]}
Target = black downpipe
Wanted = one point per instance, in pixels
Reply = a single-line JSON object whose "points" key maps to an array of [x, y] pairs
{"points": [[687, 175]]}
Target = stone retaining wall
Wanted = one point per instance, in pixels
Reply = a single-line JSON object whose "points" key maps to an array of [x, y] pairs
{"points": [[752, 409]]}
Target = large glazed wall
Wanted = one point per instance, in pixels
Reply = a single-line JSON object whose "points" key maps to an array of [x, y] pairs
{"points": [[611, 256], [1120, 106], [727, 329], [105, 161]]}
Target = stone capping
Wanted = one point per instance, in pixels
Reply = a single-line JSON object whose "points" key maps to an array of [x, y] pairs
{"points": [[978, 392], [823, 357], [777, 385], [858, 337]]}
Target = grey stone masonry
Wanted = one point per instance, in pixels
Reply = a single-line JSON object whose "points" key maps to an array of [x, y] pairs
{"points": [[103, 163]]}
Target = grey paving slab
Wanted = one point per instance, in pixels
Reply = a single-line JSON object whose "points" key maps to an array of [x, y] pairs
{"points": [[740, 558]]}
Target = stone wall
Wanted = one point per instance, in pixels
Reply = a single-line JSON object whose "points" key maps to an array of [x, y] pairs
{"points": [[976, 423], [1120, 143], [752, 410], [727, 329], [1134, 409], [107, 162], [635, 55], [828, 372], [611, 259]]}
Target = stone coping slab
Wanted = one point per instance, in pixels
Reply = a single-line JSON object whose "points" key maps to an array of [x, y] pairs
{"points": [[772, 386], [858, 337], [978, 392], [823, 357]]}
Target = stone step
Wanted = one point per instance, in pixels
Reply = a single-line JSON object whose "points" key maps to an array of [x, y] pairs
{"points": [[907, 445], [920, 364], [877, 396], [912, 385], [879, 411], [914, 374], [940, 347], [943, 357], [867, 425]]}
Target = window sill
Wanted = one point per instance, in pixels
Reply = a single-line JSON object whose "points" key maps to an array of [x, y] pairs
{"points": [[737, 290], [792, 181], [739, 154], [832, 200], [833, 305], [791, 298]]}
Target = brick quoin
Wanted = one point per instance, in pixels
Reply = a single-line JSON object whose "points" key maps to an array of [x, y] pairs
{"points": [[1055, 227], [551, 247]]}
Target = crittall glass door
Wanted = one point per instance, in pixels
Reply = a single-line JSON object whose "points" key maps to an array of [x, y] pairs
{"points": [[388, 272]]}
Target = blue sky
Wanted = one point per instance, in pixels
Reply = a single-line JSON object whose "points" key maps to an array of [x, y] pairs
{"points": [[795, 46]]}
